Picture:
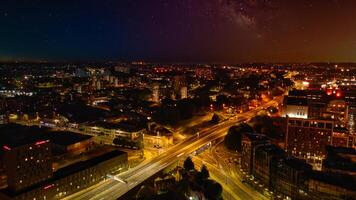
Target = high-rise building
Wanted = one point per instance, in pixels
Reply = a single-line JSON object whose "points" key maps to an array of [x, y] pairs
{"points": [[27, 164], [265, 162], [179, 81], [183, 92], [307, 138], [250, 142], [290, 177], [155, 93]]}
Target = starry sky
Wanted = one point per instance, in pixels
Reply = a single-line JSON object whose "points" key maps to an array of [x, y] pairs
{"points": [[225, 31]]}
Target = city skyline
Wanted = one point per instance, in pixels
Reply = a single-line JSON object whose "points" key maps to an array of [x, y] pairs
{"points": [[215, 31], [177, 100]]}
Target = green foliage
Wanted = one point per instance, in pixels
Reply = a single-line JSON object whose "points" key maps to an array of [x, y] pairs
{"points": [[234, 136], [187, 108], [204, 173], [167, 115], [212, 190], [139, 94], [263, 124], [188, 164], [125, 142], [146, 193], [215, 119]]}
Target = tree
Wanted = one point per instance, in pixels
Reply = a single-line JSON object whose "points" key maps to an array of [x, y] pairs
{"points": [[233, 138], [167, 115], [215, 119], [204, 173], [145, 193], [263, 124], [187, 108], [188, 164], [212, 190]]}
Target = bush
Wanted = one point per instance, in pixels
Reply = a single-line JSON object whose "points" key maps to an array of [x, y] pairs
{"points": [[234, 136]]}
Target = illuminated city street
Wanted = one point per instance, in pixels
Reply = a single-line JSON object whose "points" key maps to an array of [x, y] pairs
{"points": [[178, 100], [111, 189]]}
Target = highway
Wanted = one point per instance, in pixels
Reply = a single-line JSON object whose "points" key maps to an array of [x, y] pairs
{"points": [[112, 189], [233, 188]]}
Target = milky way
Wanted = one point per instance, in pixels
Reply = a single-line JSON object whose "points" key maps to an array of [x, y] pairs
{"points": [[179, 30]]}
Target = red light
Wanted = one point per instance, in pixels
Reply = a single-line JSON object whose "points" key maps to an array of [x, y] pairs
{"points": [[7, 148], [48, 186], [41, 142], [338, 94]]}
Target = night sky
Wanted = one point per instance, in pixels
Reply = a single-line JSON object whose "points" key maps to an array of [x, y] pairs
{"points": [[228, 31]]}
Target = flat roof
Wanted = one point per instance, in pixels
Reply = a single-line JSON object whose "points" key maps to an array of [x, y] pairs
{"points": [[82, 165], [81, 113], [14, 135], [256, 137], [297, 163], [342, 150], [336, 179], [271, 149], [66, 137], [296, 101], [124, 126]]}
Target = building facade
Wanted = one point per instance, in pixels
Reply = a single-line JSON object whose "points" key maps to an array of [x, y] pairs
{"points": [[27, 164], [72, 178], [250, 142], [307, 138]]}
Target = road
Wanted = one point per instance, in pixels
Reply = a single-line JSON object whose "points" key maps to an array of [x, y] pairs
{"points": [[233, 188], [223, 168], [112, 189]]}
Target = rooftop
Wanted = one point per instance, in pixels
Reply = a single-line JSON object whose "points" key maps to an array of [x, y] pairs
{"points": [[81, 113], [255, 137], [79, 166], [297, 163], [123, 126], [271, 149], [296, 101], [66, 138], [14, 135], [67, 171], [336, 179]]}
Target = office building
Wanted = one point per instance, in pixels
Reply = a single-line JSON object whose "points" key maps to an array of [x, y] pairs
{"points": [[250, 142], [296, 107], [71, 179], [307, 138], [27, 164], [265, 162]]}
